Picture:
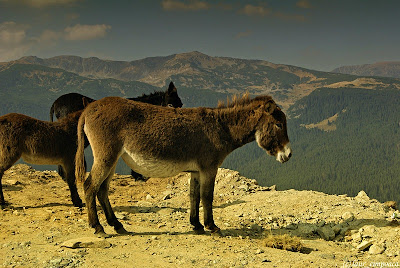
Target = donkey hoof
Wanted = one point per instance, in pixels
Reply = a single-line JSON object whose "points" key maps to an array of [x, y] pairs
{"points": [[78, 204], [217, 233], [99, 232], [199, 231], [122, 231], [4, 204], [102, 235]]}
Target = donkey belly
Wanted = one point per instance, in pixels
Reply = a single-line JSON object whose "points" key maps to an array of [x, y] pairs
{"points": [[156, 167], [40, 160]]}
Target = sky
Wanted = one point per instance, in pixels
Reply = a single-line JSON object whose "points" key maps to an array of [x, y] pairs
{"points": [[314, 34]]}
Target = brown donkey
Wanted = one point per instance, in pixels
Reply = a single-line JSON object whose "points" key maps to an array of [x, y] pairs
{"points": [[40, 142], [161, 142]]}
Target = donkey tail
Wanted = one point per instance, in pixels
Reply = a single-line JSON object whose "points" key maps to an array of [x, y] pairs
{"points": [[80, 170], [51, 112]]}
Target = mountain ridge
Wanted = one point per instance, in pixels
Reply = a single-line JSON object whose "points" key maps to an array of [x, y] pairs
{"points": [[383, 69], [228, 75]]}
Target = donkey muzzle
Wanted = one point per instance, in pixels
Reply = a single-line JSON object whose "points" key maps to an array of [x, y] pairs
{"points": [[285, 154]]}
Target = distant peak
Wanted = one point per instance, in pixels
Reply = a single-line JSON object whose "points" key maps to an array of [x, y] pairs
{"points": [[197, 53], [28, 57], [193, 54]]}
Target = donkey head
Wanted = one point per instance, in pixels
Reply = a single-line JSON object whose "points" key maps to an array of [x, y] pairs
{"points": [[271, 133], [171, 98]]}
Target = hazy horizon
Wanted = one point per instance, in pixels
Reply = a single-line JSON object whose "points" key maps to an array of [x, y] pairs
{"points": [[320, 35]]}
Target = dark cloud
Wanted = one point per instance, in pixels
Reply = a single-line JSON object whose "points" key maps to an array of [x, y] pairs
{"points": [[175, 5]]}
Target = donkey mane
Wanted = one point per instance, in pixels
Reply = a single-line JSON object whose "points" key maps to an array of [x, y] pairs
{"points": [[243, 100], [155, 93]]}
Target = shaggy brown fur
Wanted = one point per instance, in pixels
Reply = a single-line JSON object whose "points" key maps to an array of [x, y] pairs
{"points": [[161, 142], [40, 142]]}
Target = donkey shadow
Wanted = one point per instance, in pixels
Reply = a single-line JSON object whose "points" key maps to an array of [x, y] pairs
{"points": [[156, 208], [48, 205], [12, 188]]}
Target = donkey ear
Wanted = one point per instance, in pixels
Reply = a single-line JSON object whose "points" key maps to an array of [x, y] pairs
{"points": [[85, 102], [171, 88], [270, 107]]}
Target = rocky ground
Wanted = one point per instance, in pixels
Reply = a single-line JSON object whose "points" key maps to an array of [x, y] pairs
{"points": [[40, 227]]}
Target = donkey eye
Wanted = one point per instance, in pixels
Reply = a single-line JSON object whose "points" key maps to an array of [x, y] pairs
{"points": [[279, 125]]}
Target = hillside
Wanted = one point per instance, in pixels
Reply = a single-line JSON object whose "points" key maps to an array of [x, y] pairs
{"points": [[41, 229], [384, 69], [31, 89], [196, 70]]}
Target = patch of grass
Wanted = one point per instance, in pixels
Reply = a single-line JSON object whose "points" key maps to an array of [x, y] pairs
{"points": [[285, 241]]}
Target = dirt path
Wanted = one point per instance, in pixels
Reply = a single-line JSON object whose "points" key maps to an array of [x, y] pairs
{"points": [[41, 221]]}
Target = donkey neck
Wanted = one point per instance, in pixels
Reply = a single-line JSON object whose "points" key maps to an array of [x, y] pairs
{"points": [[239, 124], [156, 98], [70, 122]]}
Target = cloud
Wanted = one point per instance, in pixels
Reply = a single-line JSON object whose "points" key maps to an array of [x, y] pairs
{"points": [[176, 5], [263, 11], [40, 3], [13, 40], [243, 34], [12, 33], [86, 32], [285, 16], [304, 4], [251, 10], [15, 43]]}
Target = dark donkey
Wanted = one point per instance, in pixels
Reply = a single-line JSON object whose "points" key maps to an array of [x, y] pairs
{"points": [[73, 102], [40, 142], [160, 142]]}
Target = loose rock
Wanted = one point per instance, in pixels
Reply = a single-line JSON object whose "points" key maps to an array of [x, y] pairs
{"points": [[348, 216], [364, 245], [376, 249], [86, 242]]}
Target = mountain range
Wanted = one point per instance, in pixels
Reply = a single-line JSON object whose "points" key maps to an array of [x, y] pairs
{"points": [[384, 69], [343, 128], [196, 70]]}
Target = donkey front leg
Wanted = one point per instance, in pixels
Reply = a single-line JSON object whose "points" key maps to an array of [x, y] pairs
{"points": [[69, 172], [195, 203], [2, 201], [207, 182], [6, 161]]}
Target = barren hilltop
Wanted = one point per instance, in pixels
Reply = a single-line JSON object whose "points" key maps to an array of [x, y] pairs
{"points": [[41, 228]]}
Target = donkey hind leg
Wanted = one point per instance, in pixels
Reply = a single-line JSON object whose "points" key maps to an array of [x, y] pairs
{"points": [[69, 176], [92, 184], [195, 203], [207, 182], [61, 172], [102, 196]]}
